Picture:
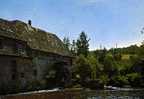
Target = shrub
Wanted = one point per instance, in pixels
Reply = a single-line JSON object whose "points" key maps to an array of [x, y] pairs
{"points": [[95, 84], [135, 79], [119, 81]]}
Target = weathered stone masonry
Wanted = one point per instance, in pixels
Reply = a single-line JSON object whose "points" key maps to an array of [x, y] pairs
{"points": [[26, 52]]}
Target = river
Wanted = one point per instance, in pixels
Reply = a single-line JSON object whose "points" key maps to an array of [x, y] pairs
{"points": [[78, 94], [112, 94]]}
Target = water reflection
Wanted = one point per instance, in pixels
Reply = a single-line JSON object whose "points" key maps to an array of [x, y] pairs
{"points": [[114, 95]]}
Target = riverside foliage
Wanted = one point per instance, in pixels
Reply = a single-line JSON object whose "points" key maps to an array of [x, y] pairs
{"points": [[119, 67]]}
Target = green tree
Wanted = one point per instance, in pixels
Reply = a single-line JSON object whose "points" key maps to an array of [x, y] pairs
{"points": [[101, 55], [141, 51], [109, 65], [82, 44], [66, 42], [120, 80], [82, 69], [73, 48], [95, 66], [135, 79]]}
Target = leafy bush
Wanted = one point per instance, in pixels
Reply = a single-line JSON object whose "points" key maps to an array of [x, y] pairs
{"points": [[57, 75], [135, 79], [104, 79], [34, 85], [119, 81], [82, 68], [95, 84]]}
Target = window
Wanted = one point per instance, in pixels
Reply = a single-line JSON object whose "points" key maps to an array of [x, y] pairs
{"points": [[20, 48], [22, 75], [13, 77], [13, 69], [14, 66], [1, 46], [35, 72]]}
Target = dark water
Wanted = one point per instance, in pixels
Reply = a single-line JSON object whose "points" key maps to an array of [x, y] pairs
{"points": [[79, 94], [107, 94]]}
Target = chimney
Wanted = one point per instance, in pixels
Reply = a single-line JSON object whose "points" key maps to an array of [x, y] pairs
{"points": [[29, 22]]}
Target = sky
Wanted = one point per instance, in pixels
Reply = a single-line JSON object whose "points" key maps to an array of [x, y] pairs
{"points": [[106, 22]]}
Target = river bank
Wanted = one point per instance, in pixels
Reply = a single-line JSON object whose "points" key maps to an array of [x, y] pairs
{"points": [[78, 94]]}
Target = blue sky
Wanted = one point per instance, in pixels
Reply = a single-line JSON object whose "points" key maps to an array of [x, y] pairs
{"points": [[106, 22]]}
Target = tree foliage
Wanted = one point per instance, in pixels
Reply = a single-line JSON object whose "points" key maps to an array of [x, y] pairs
{"points": [[66, 42], [82, 68], [116, 67], [73, 48], [82, 44]]}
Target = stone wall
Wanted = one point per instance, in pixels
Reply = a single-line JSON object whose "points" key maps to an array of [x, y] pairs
{"points": [[42, 61], [21, 67], [16, 73], [12, 47]]}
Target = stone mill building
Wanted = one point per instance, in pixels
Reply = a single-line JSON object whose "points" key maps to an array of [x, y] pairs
{"points": [[26, 53]]}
